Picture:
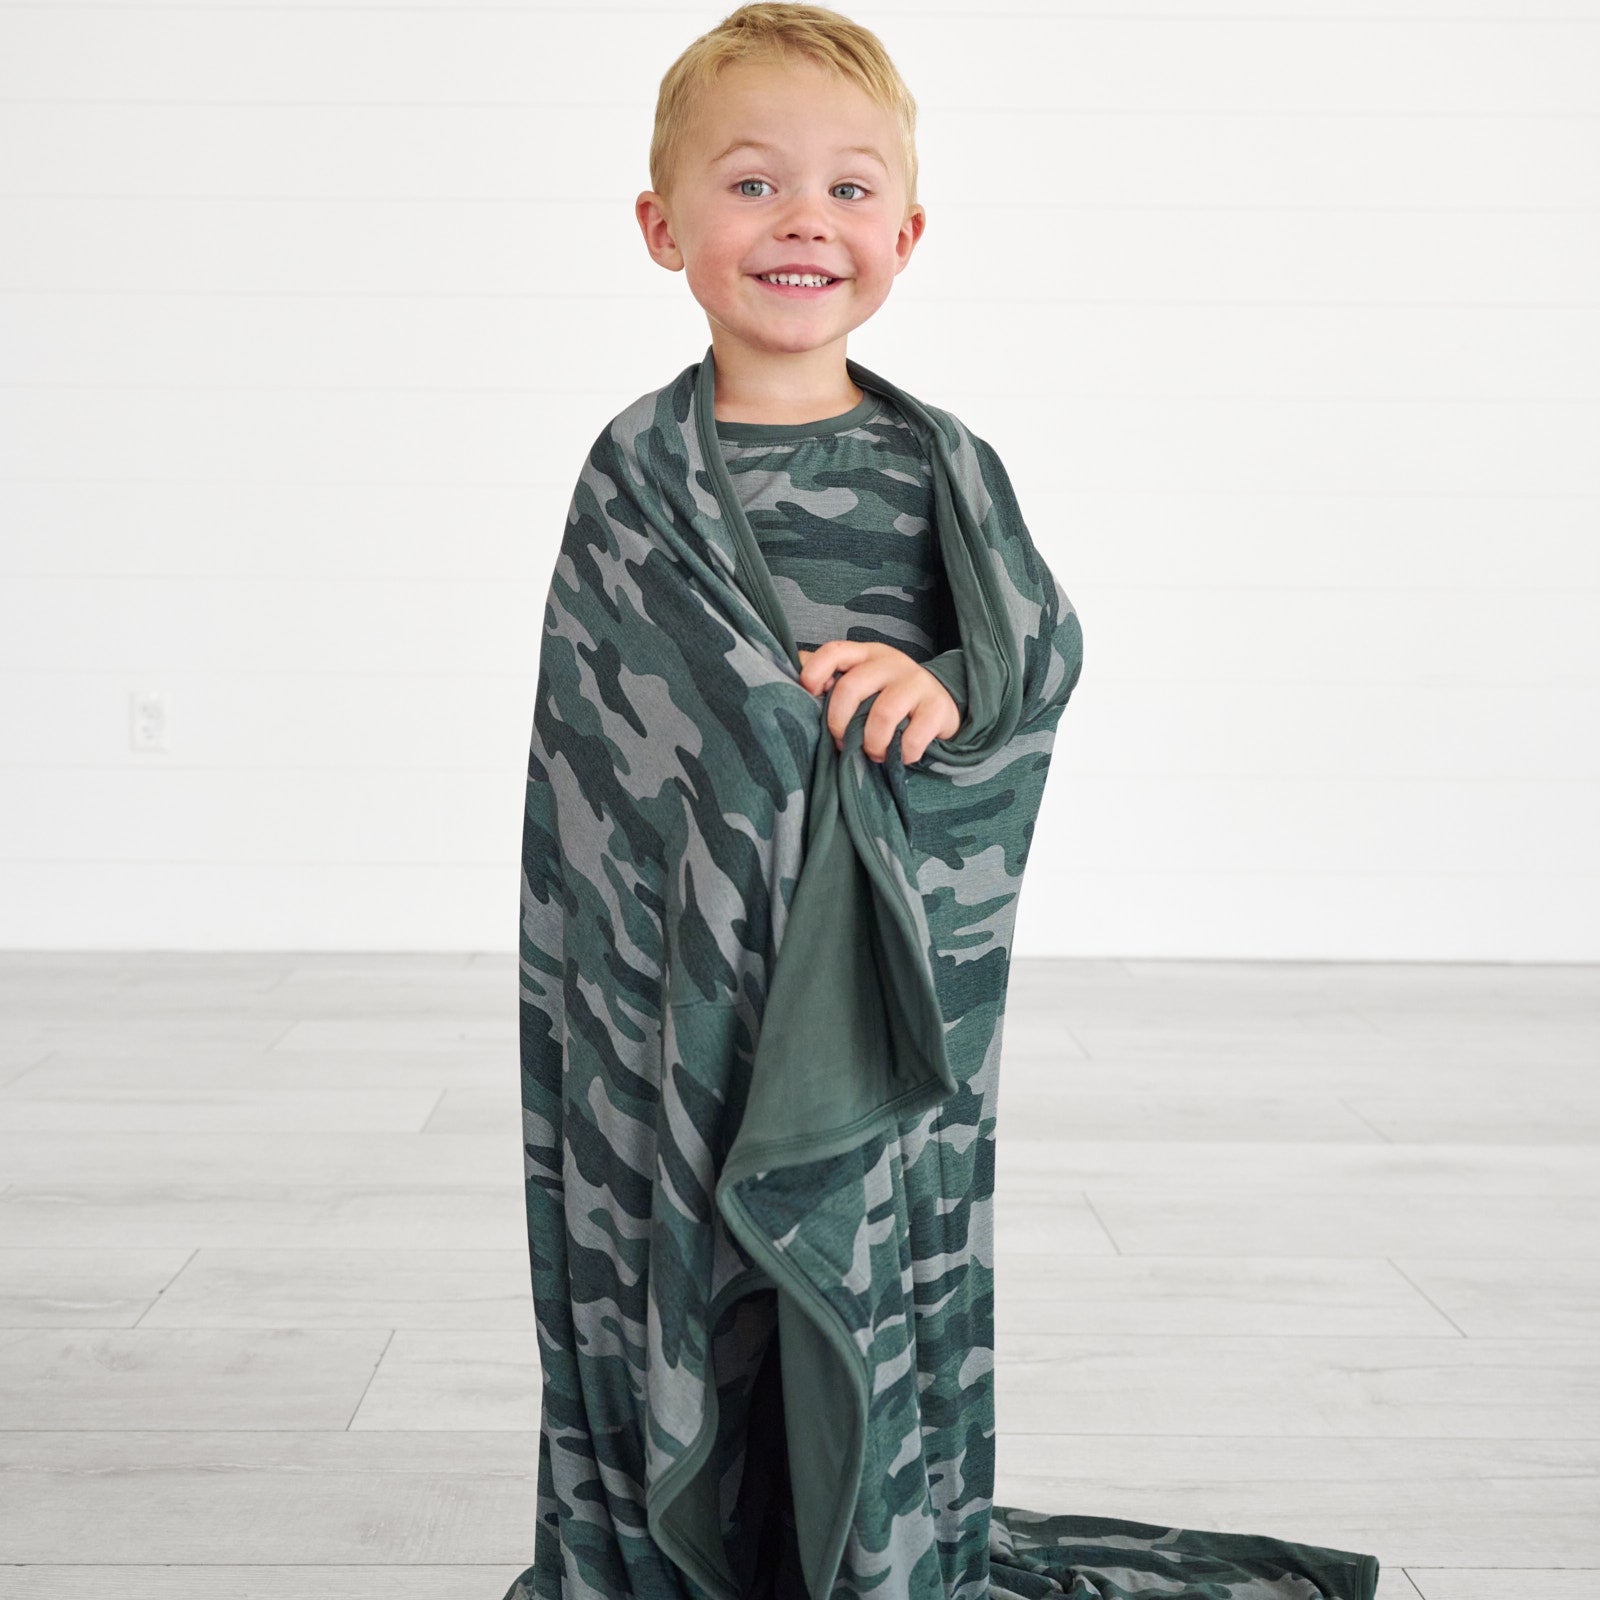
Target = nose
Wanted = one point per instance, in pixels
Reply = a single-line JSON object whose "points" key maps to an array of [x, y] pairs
{"points": [[805, 217]]}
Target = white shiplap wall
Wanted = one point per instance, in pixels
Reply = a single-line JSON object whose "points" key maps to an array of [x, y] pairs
{"points": [[1284, 317]]}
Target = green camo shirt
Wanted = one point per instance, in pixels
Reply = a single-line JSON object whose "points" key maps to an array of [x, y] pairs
{"points": [[843, 511]]}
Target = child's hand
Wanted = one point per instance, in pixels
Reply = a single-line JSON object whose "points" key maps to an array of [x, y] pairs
{"points": [[903, 687]]}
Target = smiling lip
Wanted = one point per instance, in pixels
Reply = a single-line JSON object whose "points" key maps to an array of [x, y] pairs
{"points": [[798, 289]]}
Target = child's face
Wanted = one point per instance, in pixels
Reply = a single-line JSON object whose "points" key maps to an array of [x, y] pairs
{"points": [[733, 214]]}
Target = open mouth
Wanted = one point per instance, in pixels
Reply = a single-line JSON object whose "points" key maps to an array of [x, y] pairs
{"points": [[807, 284]]}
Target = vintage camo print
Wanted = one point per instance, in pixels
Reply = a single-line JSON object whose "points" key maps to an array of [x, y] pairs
{"points": [[843, 511], [679, 781]]}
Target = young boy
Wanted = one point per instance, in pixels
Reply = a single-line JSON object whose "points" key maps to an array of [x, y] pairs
{"points": [[799, 682], [749, 168]]}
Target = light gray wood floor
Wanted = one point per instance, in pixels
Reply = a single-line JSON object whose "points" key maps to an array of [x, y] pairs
{"points": [[1302, 1249]]}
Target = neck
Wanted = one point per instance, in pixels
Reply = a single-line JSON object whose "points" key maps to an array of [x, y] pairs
{"points": [[780, 387]]}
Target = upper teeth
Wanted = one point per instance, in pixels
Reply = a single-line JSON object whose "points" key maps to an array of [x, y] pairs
{"points": [[809, 279]]}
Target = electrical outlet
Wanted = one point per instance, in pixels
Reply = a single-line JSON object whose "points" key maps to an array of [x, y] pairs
{"points": [[148, 721]]}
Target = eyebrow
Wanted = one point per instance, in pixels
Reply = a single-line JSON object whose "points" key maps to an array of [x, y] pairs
{"points": [[772, 149]]}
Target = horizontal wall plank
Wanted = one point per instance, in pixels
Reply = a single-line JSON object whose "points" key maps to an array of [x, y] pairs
{"points": [[1221, 158], [1025, 55]]}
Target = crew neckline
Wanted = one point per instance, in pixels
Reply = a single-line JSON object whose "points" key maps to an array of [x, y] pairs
{"points": [[782, 432]]}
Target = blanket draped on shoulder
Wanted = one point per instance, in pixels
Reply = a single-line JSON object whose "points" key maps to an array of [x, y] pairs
{"points": [[762, 987]]}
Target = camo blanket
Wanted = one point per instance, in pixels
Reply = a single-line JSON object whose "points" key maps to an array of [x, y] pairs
{"points": [[759, 1190]]}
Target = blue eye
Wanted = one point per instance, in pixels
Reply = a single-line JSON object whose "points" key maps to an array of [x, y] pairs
{"points": [[861, 189]]}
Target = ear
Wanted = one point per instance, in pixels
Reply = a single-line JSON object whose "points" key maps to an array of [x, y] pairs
{"points": [[651, 210], [911, 229]]}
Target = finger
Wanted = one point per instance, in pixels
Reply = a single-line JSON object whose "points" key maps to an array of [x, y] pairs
{"points": [[877, 664], [813, 672], [855, 685], [889, 710], [819, 667], [845, 696], [839, 655], [919, 734]]}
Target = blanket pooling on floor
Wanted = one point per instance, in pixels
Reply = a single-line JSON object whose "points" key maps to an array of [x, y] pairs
{"points": [[762, 990]]}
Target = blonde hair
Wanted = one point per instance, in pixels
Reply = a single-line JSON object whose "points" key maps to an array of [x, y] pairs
{"points": [[774, 34]]}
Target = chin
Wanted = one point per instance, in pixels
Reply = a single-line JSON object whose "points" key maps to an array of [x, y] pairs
{"points": [[802, 345]]}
